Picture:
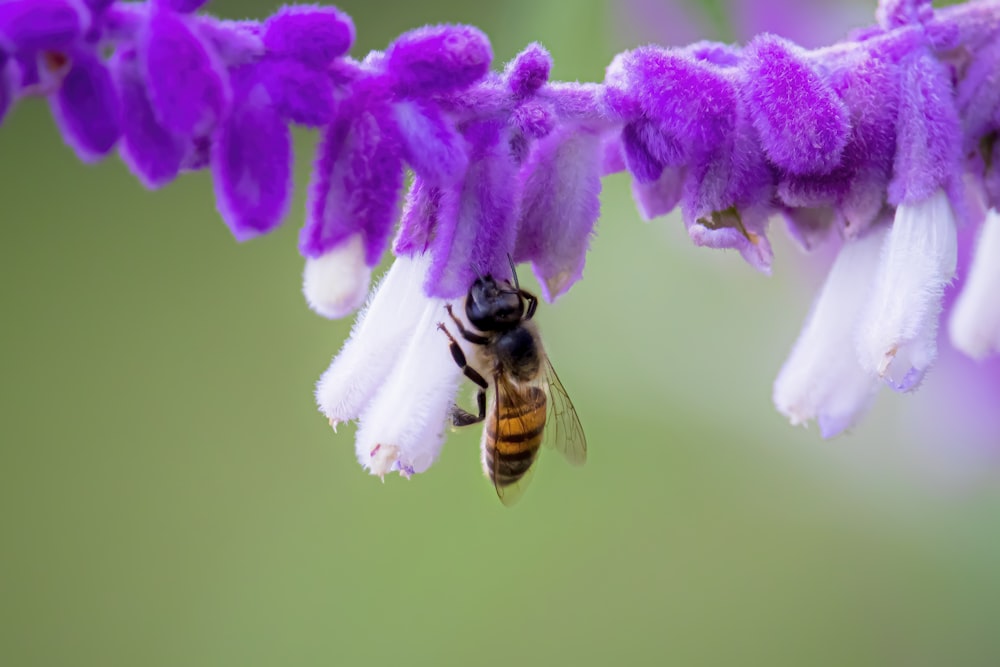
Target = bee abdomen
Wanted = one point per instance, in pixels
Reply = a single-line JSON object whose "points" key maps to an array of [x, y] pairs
{"points": [[512, 438]]}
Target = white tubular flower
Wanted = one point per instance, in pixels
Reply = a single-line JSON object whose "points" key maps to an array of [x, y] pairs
{"points": [[336, 283], [395, 375], [975, 321], [897, 336], [822, 379]]}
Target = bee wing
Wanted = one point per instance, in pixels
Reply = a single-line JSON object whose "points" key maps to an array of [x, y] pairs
{"points": [[506, 394], [563, 431]]}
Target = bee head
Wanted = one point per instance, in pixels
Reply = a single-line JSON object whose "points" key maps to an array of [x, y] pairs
{"points": [[493, 305]]}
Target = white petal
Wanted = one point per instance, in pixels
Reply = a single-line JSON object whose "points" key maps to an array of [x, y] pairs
{"points": [[975, 320], [822, 379], [376, 342], [336, 283], [403, 427], [897, 335]]}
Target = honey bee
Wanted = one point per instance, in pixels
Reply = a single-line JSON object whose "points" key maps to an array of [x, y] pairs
{"points": [[529, 403]]}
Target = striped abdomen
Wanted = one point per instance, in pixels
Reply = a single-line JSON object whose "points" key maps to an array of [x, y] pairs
{"points": [[513, 434]]}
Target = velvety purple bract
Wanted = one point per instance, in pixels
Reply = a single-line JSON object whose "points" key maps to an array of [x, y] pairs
{"points": [[802, 125], [356, 183], [33, 25], [438, 59], [182, 6], [313, 35], [640, 161], [153, 153], [928, 145], [978, 95], [252, 161], [692, 101], [561, 188], [187, 87], [475, 226], [529, 70], [300, 93], [87, 107], [430, 144]]}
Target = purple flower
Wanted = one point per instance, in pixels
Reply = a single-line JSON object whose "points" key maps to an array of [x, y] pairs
{"points": [[885, 143]]}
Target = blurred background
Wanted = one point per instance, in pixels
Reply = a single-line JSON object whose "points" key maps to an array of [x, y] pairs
{"points": [[169, 494]]}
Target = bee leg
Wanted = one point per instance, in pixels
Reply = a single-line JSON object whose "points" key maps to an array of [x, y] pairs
{"points": [[532, 303], [460, 417], [466, 334], [459, 356]]}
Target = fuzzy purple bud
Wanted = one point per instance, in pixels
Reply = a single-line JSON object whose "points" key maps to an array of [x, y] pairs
{"points": [[182, 6], [438, 59], [313, 35], [152, 152], [533, 119], [187, 86], [529, 70], [299, 93], [803, 126], [252, 161], [33, 25], [692, 101], [87, 107]]}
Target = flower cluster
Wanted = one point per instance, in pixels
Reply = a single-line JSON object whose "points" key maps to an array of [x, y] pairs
{"points": [[886, 143]]}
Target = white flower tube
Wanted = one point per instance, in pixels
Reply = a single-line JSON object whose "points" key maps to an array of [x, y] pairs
{"points": [[822, 379], [975, 321], [898, 331]]}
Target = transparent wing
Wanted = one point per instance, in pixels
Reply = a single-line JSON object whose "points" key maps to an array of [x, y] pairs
{"points": [[563, 431], [506, 395]]}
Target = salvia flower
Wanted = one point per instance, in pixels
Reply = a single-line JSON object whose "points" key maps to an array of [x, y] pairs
{"points": [[885, 144]]}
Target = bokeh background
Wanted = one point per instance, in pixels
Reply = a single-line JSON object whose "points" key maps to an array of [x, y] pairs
{"points": [[169, 494]]}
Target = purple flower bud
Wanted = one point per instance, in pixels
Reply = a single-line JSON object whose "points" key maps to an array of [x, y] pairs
{"points": [[897, 13], [803, 127], [561, 185], [313, 35], [356, 183], [529, 70], [234, 42], [153, 153], [33, 25], [182, 6], [187, 86], [430, 144], [533, 119], [300, 93], [929, 140], [87, 107], [252, 161], [438, 59]]}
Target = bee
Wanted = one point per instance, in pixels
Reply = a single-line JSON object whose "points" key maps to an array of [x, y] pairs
{"points": [[529, 403]]}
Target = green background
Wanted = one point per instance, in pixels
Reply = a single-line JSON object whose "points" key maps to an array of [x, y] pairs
{"points": [[169, 494]]}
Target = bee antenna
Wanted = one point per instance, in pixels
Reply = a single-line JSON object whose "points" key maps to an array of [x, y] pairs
{"points": [[513, 272]]}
